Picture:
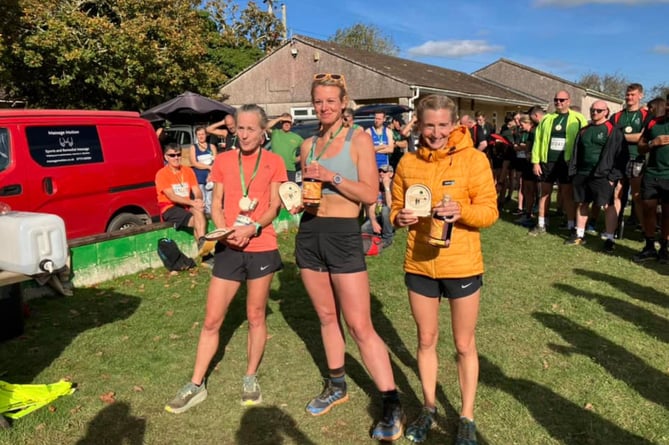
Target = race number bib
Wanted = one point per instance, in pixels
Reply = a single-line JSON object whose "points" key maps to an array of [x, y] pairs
{"points": [[557, 144], [181, 190]]}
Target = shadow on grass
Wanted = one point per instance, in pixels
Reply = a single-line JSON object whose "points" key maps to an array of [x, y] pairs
{"points": [[565, 421], [412, 401], [115, 426], [269, 426], [634, 290], [621, 364], [650, 323], [54, 323]]}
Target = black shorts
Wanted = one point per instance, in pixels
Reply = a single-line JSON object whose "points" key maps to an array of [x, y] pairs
{"points": [[554, 171], [528, 171], [331, 245], [634, 168], [178, 216], [237, 265], [443, 287], [518, 164], [596, 190], [655, 188]]}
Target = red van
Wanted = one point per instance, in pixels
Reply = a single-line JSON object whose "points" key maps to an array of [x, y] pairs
{"points": [[94, 169]]}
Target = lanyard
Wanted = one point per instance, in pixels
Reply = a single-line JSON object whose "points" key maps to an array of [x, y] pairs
{"points": [[327, 144], [245, 188]]}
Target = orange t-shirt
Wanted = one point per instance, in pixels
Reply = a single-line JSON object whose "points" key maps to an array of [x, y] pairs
{"points": [[181, 183], [270, 169]]}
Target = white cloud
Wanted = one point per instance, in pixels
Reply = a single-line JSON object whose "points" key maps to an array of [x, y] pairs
{"points": [[570, 3], [453, 48], [661, 49]]}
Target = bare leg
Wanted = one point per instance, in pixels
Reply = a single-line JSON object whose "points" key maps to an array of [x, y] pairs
{"points": [[464, 313], [219, 296], [320, 291], [425, 312], [256, 306], [352, 291]]}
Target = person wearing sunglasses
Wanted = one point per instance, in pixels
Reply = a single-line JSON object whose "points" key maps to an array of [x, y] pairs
{"points": [[553, 146], [179, 196], [329, 253], [597, 164]]}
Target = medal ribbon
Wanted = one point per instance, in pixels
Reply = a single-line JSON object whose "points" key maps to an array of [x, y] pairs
{"points": [[562, 120], [246, 188], [327, 144]]}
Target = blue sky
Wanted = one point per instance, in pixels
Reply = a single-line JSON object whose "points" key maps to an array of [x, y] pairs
{"points": [[568, 38]]}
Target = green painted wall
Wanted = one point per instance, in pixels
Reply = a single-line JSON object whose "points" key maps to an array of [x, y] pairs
{"points": [[104, 260]]}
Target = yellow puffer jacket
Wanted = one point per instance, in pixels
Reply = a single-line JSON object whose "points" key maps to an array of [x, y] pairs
{"points": [[464, 173]]}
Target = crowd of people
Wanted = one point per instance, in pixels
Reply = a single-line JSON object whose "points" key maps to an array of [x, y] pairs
{"points": [[471, 172]]}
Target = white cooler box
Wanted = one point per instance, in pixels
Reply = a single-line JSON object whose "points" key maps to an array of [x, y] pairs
{"points": [[32, 243]]}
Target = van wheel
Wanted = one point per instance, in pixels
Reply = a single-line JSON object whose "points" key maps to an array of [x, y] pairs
{"points": [[124, 221]]}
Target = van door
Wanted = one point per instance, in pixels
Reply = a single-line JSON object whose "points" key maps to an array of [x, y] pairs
{"points": [[11, 188]]}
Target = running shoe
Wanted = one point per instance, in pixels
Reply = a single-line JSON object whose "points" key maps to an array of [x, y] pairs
{"points": [[251, 394], [648, 253], [574, 240], [609, 246], [187, 397], [518, 212], [663, 256], [391, 425], [332, 395], [466, 432], [537, 230], [417, 431]]}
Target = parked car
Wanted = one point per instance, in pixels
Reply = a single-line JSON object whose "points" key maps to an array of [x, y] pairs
{"points": [[94, 169]]}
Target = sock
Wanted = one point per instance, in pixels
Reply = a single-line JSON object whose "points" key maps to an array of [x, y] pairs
{"points": [[580, 232], [541, 221], [391, 396], [338, 377], [608, 236]]}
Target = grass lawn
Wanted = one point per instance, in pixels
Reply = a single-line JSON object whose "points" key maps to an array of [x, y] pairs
{"points": [[573, 346]]}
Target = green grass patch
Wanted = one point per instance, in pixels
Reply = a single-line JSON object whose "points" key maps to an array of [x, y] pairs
{"points": [[573, 346]]}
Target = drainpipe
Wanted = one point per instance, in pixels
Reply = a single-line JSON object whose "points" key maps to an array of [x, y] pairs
{"points": [[413, 98]]}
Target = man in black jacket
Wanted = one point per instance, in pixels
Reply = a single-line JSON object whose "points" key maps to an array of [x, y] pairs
{"points": [[598, 162]]}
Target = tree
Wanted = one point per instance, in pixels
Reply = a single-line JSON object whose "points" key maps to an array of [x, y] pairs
{"points": [[365, 37], [126, 54], [240, 38], [659, 90], [611, 84]]}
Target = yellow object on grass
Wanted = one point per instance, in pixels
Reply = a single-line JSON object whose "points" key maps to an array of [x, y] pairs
{"points": [[18, 400]]}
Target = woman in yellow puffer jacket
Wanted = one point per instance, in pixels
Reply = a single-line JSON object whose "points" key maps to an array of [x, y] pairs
{"points": [[448, 164]]}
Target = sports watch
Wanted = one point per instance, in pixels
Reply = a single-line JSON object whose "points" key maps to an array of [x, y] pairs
{"points": [[258, 228], [337, 179]]}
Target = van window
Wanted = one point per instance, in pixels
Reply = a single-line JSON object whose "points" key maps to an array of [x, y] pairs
{"points": [[181, 137], [4, 149], [64, 145]]}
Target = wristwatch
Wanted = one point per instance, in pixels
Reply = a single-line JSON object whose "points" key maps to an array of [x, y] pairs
{"points": [[337, 179], [258, 228]]}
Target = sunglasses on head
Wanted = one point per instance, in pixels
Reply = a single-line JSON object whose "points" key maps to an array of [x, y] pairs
{"points": [[173, 155], [339, 78], [560, 99], [597, 110]]}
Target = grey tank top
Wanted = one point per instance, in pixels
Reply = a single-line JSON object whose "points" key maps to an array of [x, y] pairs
{"points": [[342, 163]]}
